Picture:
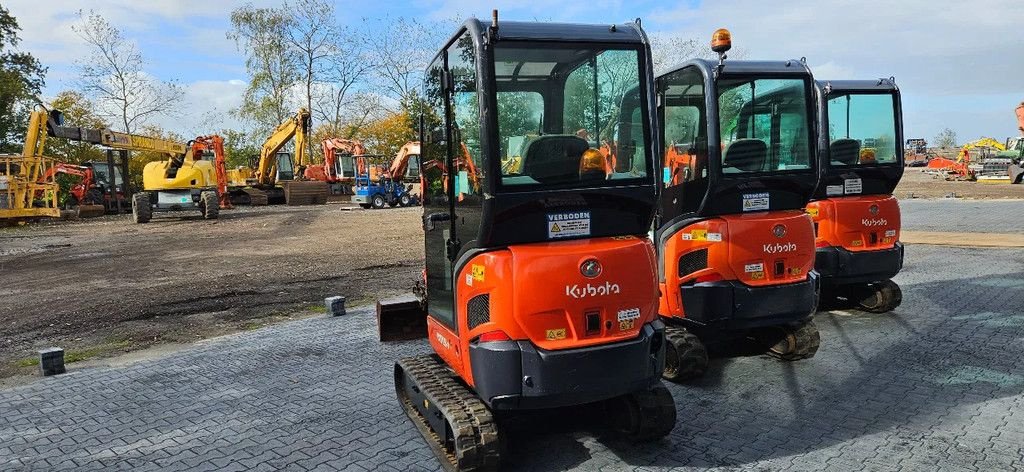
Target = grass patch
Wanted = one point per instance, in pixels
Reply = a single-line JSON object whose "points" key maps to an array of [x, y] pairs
{"points": [[101, 350], [28, 362], [251, 326], [317, 308]]}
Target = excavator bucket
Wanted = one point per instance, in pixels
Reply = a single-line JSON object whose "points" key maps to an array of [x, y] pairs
{"points": [[91, 211], [401, 318]]}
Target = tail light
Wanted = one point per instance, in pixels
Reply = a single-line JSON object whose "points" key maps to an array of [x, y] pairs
{"points": [[492, 336]]}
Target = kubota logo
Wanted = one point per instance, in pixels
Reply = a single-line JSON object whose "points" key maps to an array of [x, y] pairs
{"points": [[576, 291], [874, 222], [779, 248]]}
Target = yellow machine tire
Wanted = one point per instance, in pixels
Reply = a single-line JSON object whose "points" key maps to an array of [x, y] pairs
{"points": [[210, 205], [142, 212]]}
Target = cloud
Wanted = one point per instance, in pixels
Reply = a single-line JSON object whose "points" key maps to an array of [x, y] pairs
{"points": [[957, 50]]}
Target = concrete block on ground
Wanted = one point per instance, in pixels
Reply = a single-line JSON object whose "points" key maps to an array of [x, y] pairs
{"points": [[51, 361], [335, 306]]}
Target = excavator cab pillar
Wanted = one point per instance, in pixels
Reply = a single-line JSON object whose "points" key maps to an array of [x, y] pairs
{"points": [[856, 218], [735, 249], [539, 281]]}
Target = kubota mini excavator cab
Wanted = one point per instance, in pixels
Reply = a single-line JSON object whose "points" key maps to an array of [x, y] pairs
{"points": [[856, 218], [540, 283], [735, 248]]}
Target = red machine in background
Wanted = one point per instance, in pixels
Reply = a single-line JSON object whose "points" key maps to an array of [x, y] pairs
{"points": [[338, 166], [84, 195], [215, 144]]}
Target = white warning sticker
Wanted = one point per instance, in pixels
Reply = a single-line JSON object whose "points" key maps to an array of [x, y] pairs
{"points": [[756, 267], [567, 225], [833, 190], [717, 237], [890, 233], [629, 314], [756, 201], [853, 186]]}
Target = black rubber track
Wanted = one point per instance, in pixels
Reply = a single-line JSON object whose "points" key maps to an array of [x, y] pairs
{"points": [[881, 297], [796, 343], [477, 444], [685, 355]]}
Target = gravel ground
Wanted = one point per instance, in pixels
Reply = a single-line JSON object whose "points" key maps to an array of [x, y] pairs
{"points": [[106, 285], [917, 183]]}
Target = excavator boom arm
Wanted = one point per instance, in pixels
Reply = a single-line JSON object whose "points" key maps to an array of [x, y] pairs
{"points": [[295, 127]]}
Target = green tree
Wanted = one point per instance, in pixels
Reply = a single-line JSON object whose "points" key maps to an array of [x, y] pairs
{"points": [[262, 34], [78, 111], [21, 79]]}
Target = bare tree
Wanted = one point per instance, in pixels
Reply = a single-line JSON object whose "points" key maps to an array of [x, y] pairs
{"points": [[113, 76], [312, 35], [668, 50], [347, 72], [402, 48]]}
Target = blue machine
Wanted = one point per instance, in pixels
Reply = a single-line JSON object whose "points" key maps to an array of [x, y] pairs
{"points": [[380, 193]]}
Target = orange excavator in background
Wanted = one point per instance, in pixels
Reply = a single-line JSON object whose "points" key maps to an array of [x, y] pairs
{"points": [[215, 144], [406, 165], [84, 195], [338, 166]]}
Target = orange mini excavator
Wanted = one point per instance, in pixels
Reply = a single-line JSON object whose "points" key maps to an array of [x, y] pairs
{"points": [[539, 281], [735, 248], [856, 218]]}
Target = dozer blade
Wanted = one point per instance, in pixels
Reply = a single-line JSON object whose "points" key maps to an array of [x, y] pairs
{"points": [[401, 318], [91, 211], [456, 424]]}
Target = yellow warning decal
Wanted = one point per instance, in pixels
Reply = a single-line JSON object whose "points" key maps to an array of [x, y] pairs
{"points": [[555, 334], [757, 276], [699, 234], [478, 272], [813, 212], [857, 242], [555, 228]]}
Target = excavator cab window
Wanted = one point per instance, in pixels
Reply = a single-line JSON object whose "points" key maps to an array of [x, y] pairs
{"points": [[557, 102], [862, 129], [765, 126]]}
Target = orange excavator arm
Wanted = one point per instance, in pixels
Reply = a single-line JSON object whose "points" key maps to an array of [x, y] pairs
{"points": [[215, 143], [1020, 118], [401, 162]]}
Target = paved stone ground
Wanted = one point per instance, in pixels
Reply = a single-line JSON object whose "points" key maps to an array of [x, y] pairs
{"points": [[938, 384], [957, 215]]}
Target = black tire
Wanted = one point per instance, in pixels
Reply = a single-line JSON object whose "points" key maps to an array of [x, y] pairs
{"points": [[209, 205], [880, 297], [793, 343], [378, 201], [685, 355], [142, 211], [644, 416], [405, 200]]}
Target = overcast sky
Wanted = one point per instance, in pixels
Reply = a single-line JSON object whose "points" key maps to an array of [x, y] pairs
{"points": [[959, 64]]}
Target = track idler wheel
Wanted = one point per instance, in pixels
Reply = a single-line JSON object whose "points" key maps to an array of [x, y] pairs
{"points": [[793, 343], [685, 355], [880, 297], [646, 415], [456, 424]]}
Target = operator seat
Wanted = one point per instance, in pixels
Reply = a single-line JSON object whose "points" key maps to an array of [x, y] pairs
{"points": [[553, 157], [747, 155], [845, 151]]}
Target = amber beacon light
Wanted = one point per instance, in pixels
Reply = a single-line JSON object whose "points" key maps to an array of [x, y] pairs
{"points": [[721, 40]]}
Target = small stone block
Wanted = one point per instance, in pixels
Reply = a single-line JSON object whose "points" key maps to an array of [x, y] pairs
{"points": [[335, 306], [51, 361]]}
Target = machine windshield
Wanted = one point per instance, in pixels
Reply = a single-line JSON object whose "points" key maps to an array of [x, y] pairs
{"points": [[570, 117], [764, 124], [861, 129]]}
